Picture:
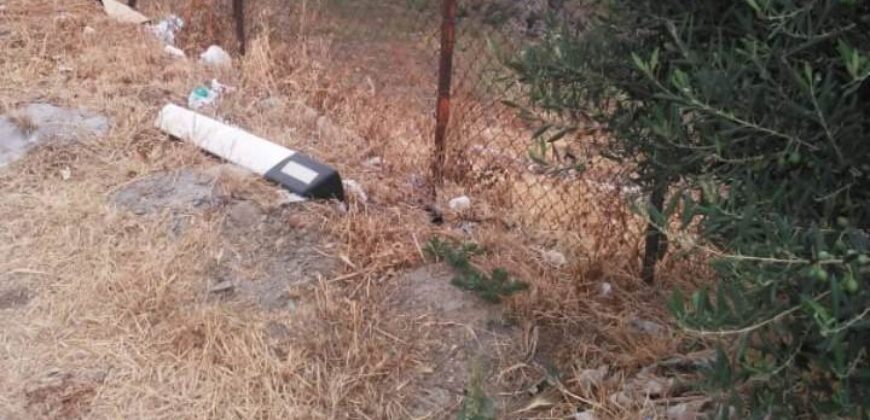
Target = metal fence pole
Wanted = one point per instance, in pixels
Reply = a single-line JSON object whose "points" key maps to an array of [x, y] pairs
{"points": [[239, 16], [445, 75], [656, 245]]}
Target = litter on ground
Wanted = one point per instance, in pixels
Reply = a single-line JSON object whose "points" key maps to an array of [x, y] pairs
{"points": [[123, 13], [216, 56]]}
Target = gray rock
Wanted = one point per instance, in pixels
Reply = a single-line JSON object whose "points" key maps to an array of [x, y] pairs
{"points": [[647, 327], [178, 192], [14, 143], [223, 286], [38, 123], [245, 213]]}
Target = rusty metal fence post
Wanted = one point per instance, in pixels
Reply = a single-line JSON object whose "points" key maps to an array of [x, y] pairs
{"points": [[656, 244], [445, 75], [239, 17]]}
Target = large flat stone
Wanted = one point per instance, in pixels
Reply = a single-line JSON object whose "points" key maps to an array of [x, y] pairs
{"points": [[39, 123], [180, 191]]}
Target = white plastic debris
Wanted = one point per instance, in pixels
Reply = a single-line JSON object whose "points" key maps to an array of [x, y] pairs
{"points": [[286, 198], [220, 87], [89, 30], [202, 96], [554, 258], [215, 56], [585, 415], [258, 155], [375, 162], [460, 204], [606, 289], [174, 51], [166, 29], [647, 327], [123, 13], [356, 190]]}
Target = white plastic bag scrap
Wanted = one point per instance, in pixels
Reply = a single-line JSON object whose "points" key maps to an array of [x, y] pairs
{"points": [[123, 13], [202, 96], [554, 258], [216, 56], [220, 87], [460, 204], [356, 190], [166, 29], [174, 51]]}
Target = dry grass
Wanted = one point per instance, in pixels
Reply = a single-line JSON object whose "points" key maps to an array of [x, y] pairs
{"points": [[118, 325]]}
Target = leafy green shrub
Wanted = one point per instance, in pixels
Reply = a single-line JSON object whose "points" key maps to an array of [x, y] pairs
{"points": [[489, 287], [755, 115]]}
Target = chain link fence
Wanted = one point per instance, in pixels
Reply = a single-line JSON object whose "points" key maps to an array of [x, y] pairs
{"points": [[493, 147], [498, 145]]}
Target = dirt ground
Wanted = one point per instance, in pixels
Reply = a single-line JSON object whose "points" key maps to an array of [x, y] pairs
{"points": [[142, 278]]}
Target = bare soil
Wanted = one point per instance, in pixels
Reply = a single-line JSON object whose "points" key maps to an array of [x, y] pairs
{"points": [[265, 255], [460, 332], [14, 297]]}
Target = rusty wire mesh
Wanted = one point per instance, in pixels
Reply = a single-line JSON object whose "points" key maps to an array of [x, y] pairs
{"points": [[492, 150]]}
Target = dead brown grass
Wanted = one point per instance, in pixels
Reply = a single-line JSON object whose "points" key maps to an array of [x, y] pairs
{"points": [[118, 327]]}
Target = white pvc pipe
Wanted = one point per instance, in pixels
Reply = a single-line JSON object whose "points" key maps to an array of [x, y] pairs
{"points": [[231, 143]]}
